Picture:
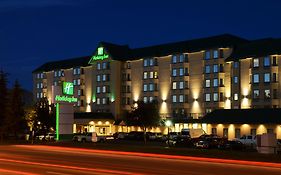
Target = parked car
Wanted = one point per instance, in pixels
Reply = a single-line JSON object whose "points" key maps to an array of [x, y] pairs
{"points": [[120, 135], [92, 137], [155, 136], [47, 137], [248, 140], [180, 142], [203, 144], [231, 144]]}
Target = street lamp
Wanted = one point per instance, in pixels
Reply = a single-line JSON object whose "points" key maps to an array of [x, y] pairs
{"points": [[168, 123]]}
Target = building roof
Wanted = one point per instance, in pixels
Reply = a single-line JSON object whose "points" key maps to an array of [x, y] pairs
{"points": [[124, 53], [64, 64], [244, 116], [256, 48], [93, 115]]}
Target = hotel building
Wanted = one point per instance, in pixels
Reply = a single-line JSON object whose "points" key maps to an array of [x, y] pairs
{"points": [[189, 79]]}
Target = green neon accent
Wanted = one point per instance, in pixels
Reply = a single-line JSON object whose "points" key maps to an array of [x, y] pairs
{"points": [[67, 88], [94, 98], [112, 98], [101, 55], [57, 120], [65, 99]]}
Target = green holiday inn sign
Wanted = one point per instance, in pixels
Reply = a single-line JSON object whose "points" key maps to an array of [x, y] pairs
{"points": [[101, 55], [67, 91], [67, 88]]}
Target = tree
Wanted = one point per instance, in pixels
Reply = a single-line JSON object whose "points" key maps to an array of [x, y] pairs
{"points": [[144, 115], [3, 102], [16, 122], [45, 116]]}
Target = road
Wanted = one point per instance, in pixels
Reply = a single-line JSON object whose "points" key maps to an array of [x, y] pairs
{"points": [[51, 160]]}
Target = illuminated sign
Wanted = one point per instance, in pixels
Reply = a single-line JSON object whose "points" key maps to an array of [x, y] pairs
{"points": [[65, 99], [67, 88], [101, 55]]}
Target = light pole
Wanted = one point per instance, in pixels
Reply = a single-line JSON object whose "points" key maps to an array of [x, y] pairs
{"points": [[168, 123]]}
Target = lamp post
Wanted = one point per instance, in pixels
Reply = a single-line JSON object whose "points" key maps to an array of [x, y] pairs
{"points": [[168, 123]]}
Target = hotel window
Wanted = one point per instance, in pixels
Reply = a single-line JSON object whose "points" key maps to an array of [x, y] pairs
{"points": [[181, 98], [215, 54], [215, 68], [174, 59], [215, 82], [221, 82], [237, 133], [104, 101], [207, 55], [207, 97], [186, 84], [155, 75], [145, 99], [186, 71], [38, 85], [266, 62], [270, 131], [174, 85], [267, 94], [235, 79], [42, 75], [256, 78], [274, 61], [78, 103], [98, 89], [214, 131], [275, 94], [59, 74], [253, 131], [104, 77], [74, 82], [256, 62], [266, 77], [145, 87], [181, 58], [151, 87], [37, 95], [186, 98], [225, 132], [128, 102], [151, 62], [235, 96], [144, 75], [174, 72], [128, 65], [104, 65], [236, 65], [207, 69], [56, 74], [221, 53], [221, 96], [181, 72], [78, 81], [145, 62], [38, 75], [98, 77], [103, 89], [56, 83], [221, 67], [128, 89], [256, 93], [216, 97], [174, 97], [207, 83], [98, 66], [98, 101], [181, 85], [150, 99], [274, 77], [151, 75]]}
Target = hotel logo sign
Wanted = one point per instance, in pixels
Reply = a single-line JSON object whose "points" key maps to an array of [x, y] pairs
{"points": [[67, 88], [101, 55]]}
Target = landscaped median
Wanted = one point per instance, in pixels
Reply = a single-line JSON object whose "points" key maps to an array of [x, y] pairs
{"points": [[198, 154]]}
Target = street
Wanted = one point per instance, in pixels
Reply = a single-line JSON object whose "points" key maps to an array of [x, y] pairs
{"points": [[35, 159]]}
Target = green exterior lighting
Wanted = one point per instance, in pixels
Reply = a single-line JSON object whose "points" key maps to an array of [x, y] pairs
{"points": [[57, 120], [101, 55], [65, 99], [67, 88]]}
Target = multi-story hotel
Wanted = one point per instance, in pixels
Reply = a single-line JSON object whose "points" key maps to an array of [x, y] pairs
{"points": [[189, 79]]}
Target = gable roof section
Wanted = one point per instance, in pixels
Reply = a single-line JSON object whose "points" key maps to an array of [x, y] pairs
{"points": [[64, 64], [256, 48], [244, 116]]}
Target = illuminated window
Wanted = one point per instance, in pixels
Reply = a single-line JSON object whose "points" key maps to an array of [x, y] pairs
{"points": [[207, 69], [236, 65], [215, 54], [235, 96], [216, 97], [155, 74], [215, 82], [255, 62], [98, 66], [207, 97], [151, 75], [98, 77], [207, 55], [151, 87], [181, 58], [98, 101], [56, 74], [74, 82], [181, 71], [267, 94], [150, 99], [215, 68], [78, 81], [174, 72], [145, 99], [225, 132], [98, 89], [256, 78], [235, 79], [267, 77], [145, 62], [79, 92], [174, 85], [174, 97], [145, 87], [256, 93], [104, 65], [145, 75], [103, 89], [266, 61], [104, 77], [151, 62], [174, 59], [207, 83]]}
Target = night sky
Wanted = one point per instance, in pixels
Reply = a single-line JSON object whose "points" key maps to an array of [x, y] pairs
{"points": [[33, 32]]}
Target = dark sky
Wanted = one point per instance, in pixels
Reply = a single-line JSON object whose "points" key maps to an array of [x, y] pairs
{"points": [[33, 32]]}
